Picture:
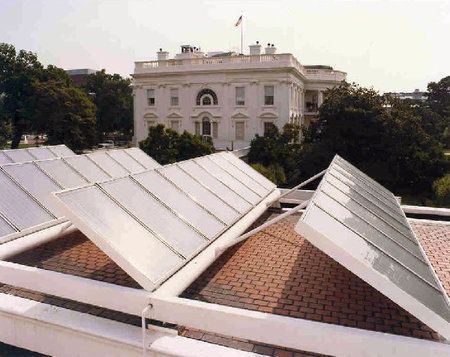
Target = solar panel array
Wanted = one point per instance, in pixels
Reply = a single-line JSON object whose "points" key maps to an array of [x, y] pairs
{"points": [[26, 187], [151, 223], [35, 153], [360, 224]]}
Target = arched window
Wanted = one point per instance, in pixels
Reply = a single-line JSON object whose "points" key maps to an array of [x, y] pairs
{"points": [[207, 97], [206, 126]]}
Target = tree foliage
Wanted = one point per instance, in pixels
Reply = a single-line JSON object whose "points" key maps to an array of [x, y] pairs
{"points": [[167, 146], [18, 72], [382, 136], [441, 188], [112, 96]]}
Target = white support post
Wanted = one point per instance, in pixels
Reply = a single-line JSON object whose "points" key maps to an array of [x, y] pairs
{"points": [[247, 235], [294, 333]]}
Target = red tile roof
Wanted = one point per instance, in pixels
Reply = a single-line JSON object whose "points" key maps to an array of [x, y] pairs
{"points": [[277, 271], [435, 240]]}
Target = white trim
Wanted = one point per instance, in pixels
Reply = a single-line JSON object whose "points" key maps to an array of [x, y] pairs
{"points": [[30, 230], [290, 332], [61, 332], [88, 291], [438, 211]]}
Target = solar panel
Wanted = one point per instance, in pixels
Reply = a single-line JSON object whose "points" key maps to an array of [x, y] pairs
{"points": [[212, 202], [164, 223], [87, 168], [362, 226], [4, 159], [108, 164], [215, 186], [126, 161], [36, 182], [119, 235], [62, 173], [209, 225], [5, 227], [41, 153], [61, 150], [170, 205], [230, 181], [142, 158], [19, 155], [19, 207]]}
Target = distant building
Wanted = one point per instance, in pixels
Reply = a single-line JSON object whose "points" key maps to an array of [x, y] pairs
{"points": [[79, 76], [416, 95], [226, 96]]}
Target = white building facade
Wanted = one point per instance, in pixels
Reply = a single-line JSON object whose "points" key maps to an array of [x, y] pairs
{"points": [[226, 96]]}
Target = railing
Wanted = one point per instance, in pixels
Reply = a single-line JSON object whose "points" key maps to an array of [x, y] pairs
{"points": [[282, 59]]}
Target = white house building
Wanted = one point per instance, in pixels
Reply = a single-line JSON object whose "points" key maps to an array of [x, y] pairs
{"points": [[227, 96]]}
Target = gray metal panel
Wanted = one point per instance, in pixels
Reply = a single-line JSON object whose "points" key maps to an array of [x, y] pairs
{"points": [[19, 155], [36, 182], [142, 158], [5, 228], [87, 168], [161, 221], [41, 153], [126, 161], [61, 150], [108, 164], [357, 223], [18, 207], [62, 173], [4, 159]]}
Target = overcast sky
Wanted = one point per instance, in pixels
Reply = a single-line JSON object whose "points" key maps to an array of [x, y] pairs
{"points": [[390, 45]]}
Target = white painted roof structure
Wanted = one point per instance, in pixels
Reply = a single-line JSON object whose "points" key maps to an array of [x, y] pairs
{"points": [[361, 225], [8, 156], [154, 222]]}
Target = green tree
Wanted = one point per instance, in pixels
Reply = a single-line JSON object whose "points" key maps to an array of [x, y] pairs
{"points": [[112, 96], [4, 126], [380, 135], [441, 188], [18, 72], [439, 97], [167, 146], [65, 113]]}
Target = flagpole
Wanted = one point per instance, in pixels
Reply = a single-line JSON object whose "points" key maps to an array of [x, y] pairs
{"points": [[242, 35]]}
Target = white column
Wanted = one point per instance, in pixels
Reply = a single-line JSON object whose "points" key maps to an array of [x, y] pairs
{"points": [[319, 98]]}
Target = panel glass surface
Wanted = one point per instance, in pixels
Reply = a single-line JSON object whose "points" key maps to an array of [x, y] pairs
{"points": [[108, 164], [180, 203], [216, 186], [127, 242], [37, 183], [18, 207], [126, 161], [142, 158], [367, 240], [61, 150], [41, 153], [228, 180], [87, 168], [5, 228], [19, 155], [160, 220], [62, 173], [4, 159], [255, 186], [249, 170], [206, 198]]}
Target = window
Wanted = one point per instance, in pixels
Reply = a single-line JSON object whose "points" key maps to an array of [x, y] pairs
{"points": [[150, 123], [174, 97], [175, 125], [207, 93], [240, 130], [197, 128], [240, 95], [215, 127], [268, 126], [206, 127], [268, 95], [206, 100], [151, 97]]}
